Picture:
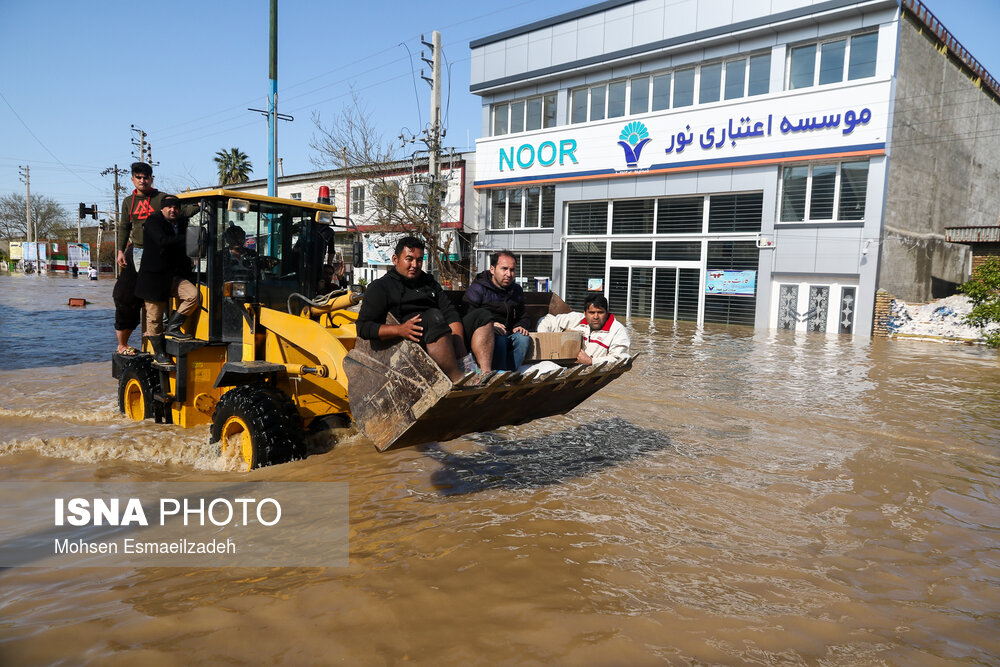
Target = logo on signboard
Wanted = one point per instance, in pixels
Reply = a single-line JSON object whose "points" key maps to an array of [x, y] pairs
{"points": [[633, 137]]}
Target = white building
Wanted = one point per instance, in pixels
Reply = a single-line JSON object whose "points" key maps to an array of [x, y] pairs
{"points": [[759, 162]]}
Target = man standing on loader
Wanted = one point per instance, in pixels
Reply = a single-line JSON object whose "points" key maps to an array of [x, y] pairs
{"points": [[142, 203], [425, 313], [165, 272]]}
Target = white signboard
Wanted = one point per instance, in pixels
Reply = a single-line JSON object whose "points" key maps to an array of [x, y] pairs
{"points": [[379, 247], [799, 125], [34, 252], [79, 254]]}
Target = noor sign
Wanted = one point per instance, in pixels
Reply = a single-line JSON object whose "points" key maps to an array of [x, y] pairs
{"points": [[809, 124]]}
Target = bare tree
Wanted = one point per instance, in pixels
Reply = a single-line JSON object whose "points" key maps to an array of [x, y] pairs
{"points": [[47, 215], [399, 200]]}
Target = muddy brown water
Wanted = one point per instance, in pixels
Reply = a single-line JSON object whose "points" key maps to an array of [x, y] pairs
{"points": [[737, 498]]}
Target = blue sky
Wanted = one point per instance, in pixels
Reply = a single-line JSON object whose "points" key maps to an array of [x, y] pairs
{"points": [[75, 76]]}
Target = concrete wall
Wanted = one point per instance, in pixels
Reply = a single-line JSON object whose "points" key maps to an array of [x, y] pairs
{"points": [[944, 169]]}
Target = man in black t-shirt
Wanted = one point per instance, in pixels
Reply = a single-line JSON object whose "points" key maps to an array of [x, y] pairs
{"points": [[425, 312]]}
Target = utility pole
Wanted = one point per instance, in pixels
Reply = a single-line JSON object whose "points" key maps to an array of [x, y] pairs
{"points": [[95, 257], [271, 113], [272, 105], [25, 172], [145, 148], [116, 172], [433, 141]]}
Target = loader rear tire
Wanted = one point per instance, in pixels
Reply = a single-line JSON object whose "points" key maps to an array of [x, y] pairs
{"points": [[136, 386], [261, 423]]}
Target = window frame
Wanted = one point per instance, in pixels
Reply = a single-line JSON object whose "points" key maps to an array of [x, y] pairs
{"points": [[581, 98], [530, 279], [357, 200], [818, 59], [548, 107], [808, 203], [544, 192]]}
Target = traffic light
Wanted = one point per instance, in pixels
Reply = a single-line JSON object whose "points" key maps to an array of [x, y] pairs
{"points": [[83, 210], [93, 211]]}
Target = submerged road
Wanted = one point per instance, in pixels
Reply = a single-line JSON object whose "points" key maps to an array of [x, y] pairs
{"points": [[739, 497]]}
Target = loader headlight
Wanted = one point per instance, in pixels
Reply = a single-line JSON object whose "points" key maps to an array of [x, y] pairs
{"points": [[324, 217], [234, 290]]}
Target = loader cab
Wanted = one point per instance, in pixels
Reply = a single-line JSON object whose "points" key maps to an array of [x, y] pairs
{"points": [[258, 250]]}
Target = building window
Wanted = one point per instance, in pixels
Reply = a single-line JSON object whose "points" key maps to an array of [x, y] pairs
{"points": [[732, 80], [524, 115], [680, 215], [533, 272], [747, 77], [579, 106], [388, 196], [832, 61], [736, 79], [735, 213], [296, 195], [711, 81], [501, 119], [529, 208], [861, 64], [498, 209], [759, 79], [587, 218], [585, 266], [661, 91], [639, 95], [684, 88], [632, 216], [616, 99], [641, 250], [598, 95], [514, 199], [815, 192], [358, 199], [517, 116]]}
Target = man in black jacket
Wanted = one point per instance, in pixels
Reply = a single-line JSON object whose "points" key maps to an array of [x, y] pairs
{"points": [[425, 313], [165, 272], [497, 293]]}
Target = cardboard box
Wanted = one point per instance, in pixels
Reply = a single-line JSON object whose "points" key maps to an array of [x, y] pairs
{"points": [[557, 346]]}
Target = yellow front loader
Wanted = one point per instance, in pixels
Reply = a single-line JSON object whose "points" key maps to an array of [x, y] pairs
{"points": [[275, 353]]}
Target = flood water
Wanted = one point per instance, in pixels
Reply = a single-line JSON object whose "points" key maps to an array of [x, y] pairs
{"points": [[737, 498]]}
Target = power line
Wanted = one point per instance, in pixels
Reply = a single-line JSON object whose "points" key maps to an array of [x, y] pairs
{"points": [[35, 137]]}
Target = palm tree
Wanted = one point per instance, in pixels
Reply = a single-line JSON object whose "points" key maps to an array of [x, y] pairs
{"points": [[234, 166]]}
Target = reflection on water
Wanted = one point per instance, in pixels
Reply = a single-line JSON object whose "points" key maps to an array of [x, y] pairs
{"points": [[540, 461], [738, 497]]}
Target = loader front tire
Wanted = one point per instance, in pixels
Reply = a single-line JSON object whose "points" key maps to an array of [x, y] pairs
{"points": [[261, 423], [136, 386]]}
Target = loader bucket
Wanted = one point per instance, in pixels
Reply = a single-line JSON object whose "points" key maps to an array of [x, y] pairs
{"points": [[399, 397]]}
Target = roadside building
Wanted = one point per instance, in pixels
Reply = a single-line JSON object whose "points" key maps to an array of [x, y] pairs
{"points": [[736, 161], [372, 205]]}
